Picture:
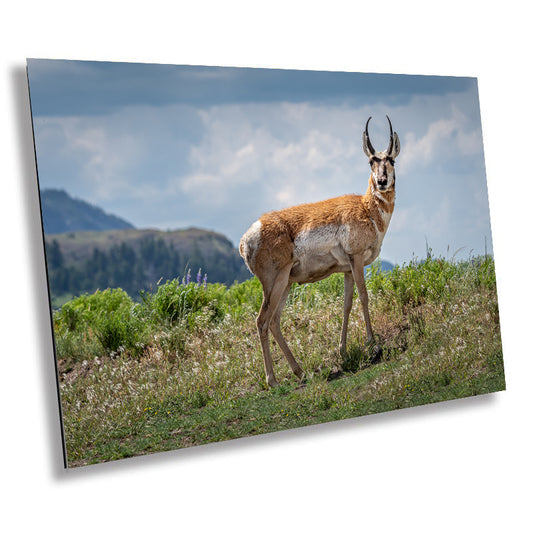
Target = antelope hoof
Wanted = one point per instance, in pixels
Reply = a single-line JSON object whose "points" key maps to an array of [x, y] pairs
{"points": [[272, 382], [377, 353], [299, 373]]}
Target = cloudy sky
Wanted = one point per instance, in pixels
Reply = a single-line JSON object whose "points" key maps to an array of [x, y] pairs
{"points": [[178, 146]]}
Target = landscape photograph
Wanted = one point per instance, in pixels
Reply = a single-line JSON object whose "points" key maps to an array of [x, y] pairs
{"points": [[239, 251]]}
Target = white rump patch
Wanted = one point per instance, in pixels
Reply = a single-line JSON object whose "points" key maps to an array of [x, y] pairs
{"points": [[250, 243]]}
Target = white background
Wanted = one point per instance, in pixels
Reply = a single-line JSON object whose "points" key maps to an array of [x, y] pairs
{"points": [[461, 466]]}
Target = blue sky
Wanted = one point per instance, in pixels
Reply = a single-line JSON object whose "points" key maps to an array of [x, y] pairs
{"points": [[171, 147]]}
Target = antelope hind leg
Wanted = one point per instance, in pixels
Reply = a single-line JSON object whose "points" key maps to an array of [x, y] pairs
{"points": [[262, 322], [275, 328], [271, 300]]}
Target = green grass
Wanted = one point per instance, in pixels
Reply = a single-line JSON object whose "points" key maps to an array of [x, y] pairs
{"points": [[184, 366]]}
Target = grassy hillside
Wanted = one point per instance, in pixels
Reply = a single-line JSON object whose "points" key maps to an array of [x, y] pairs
{"points": [[184, 366], [78, 246], [136, 260]]}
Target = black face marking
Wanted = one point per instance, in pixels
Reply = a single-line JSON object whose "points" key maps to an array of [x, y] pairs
{"points": [[377, 160]]}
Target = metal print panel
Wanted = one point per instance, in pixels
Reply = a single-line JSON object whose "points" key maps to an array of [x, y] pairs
{"points": [[235, 251]]}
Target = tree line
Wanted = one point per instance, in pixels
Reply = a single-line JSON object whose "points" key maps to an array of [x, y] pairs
{"points": [[136, 270]]}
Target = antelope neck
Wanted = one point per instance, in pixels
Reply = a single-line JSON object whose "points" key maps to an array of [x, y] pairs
{"points": [[382, 199]]}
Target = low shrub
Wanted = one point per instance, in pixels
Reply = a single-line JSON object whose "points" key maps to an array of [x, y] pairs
{"points": [[174, 302], [88, 309], [239, 295], [107, 318]]}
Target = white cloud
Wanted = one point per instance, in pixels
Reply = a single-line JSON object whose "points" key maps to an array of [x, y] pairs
{"points": [[293, 153], [209, 190], [449, 136]]}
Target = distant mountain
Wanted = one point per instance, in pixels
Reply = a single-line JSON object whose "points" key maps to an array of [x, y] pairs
{"points": [[63, 214], [383, 266]]}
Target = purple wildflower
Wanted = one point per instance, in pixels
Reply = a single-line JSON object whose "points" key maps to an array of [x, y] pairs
{"points": [[205, 281], [188, 279], [199, 277]]}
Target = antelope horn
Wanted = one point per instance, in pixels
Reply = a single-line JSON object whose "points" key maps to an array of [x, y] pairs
{"points": [[367, 138], [391, 142]]}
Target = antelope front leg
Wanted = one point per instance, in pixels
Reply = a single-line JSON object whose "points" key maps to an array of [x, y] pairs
{"points": [[358, 271], [348, 300]]}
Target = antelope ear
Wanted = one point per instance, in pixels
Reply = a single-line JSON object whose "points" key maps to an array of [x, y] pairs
{"points": [[395, 146]]}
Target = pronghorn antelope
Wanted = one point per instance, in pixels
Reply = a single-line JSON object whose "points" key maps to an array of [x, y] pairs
{"points": [[309, 242]]}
